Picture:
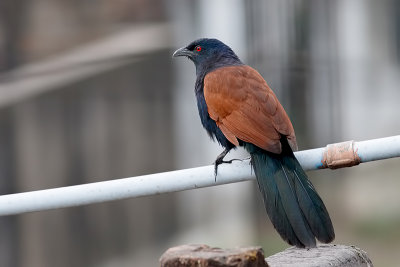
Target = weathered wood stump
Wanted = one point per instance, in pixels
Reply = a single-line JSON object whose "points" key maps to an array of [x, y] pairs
{"points": [[323, 255], [205, 256]]}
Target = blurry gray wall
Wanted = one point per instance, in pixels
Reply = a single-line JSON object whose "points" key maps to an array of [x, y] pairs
{"points": [[89, 92]]}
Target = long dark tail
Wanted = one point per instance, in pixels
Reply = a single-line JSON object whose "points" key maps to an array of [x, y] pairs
{"points": [[294, 207]]}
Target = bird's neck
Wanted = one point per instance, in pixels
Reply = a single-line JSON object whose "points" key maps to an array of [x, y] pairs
{"points": [[198, 87], [218, 61]]}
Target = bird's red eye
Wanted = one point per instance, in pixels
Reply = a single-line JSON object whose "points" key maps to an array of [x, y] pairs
{"points": [[198, 48]]}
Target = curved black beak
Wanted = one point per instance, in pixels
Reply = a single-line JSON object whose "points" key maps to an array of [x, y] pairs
{"points": [[182, 52]]}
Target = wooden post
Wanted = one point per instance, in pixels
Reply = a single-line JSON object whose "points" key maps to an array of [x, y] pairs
{"points": [[323, 255], [205, 256]]}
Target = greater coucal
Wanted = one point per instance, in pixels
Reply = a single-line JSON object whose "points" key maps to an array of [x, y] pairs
{"points": [[237, 108]]}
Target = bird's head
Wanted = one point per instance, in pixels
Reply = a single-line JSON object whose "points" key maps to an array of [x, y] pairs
{"points": [[208, 54]]}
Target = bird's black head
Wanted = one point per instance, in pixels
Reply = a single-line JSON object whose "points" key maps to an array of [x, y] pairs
{"points": [[208, 54]]}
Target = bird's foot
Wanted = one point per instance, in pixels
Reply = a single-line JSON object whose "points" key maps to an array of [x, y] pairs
{"points": [[218, 162]]}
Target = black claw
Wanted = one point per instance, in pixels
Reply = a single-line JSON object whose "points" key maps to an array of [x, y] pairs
{"points": [[220, 160]]}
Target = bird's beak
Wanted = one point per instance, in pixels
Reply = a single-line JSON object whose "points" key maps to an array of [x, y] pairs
{"points": [[182, 52]]}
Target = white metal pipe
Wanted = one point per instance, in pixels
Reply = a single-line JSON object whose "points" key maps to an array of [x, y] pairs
{"points": [[311, 159], [377, 149], [175, 181]]}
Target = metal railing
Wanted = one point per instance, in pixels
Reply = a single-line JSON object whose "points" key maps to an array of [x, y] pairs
{"points": [[332, 156]]}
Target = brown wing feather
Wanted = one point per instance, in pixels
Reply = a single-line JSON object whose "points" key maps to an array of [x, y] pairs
{"points": [[244, 107]]}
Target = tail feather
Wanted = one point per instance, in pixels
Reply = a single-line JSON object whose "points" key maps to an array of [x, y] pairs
{"points": [[274, 206], [293, 205], [313, 208]]}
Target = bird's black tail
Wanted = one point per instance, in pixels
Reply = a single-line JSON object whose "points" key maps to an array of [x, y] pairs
{"points": [[294, 207]]}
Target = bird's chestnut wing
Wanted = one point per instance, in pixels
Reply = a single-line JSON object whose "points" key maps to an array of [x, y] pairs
{"points": [[244, 107]]}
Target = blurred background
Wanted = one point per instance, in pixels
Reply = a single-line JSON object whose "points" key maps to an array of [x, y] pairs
{"points": [[89, 92]]}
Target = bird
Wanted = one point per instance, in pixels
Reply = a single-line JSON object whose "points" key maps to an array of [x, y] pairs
{"points": [[238, 108]]}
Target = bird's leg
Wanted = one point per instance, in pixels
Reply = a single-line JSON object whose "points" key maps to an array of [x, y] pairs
{"points": [[220, 160]]}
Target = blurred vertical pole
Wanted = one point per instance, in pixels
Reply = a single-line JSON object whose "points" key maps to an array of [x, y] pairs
{"points": [[323, 96], [8, 225], [358, 74], [11, 16], [395, 9]]}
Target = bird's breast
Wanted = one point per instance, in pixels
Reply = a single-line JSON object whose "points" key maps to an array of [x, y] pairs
{"points": [[209, 124]]}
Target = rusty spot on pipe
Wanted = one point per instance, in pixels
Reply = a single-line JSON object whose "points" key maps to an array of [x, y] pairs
{"points": [[340, 155]]}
